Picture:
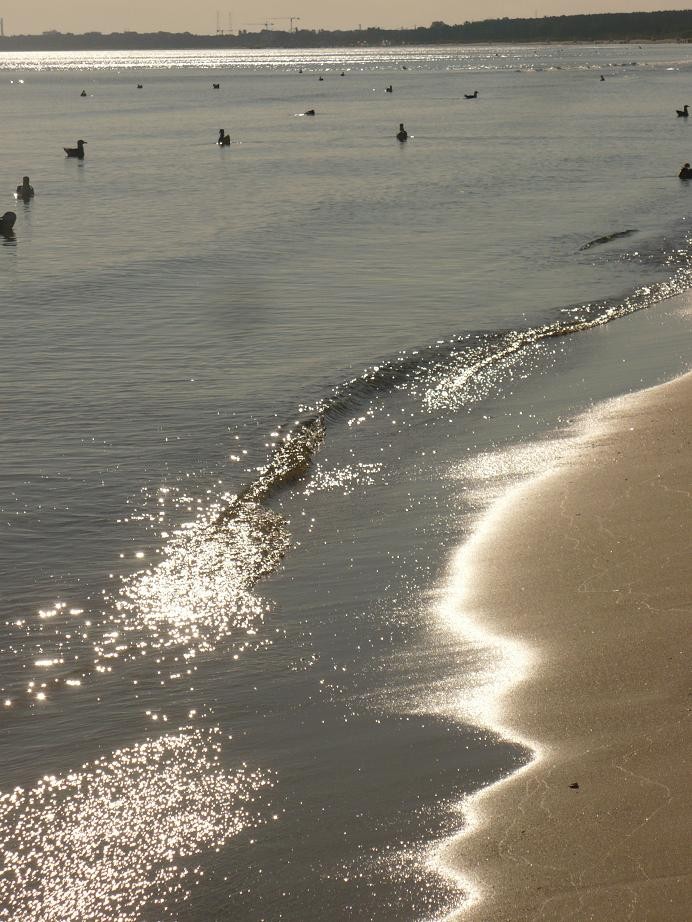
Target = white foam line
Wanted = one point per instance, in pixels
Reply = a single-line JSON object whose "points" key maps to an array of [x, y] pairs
{"points": [[510, 661]]}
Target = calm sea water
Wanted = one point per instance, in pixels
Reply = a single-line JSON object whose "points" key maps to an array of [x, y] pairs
{"points": [[253, 399]]}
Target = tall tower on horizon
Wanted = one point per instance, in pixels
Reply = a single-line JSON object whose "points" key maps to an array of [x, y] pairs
{"points": [[2, 27]]}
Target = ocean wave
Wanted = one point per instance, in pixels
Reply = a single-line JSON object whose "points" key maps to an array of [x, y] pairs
{"points": [[608, 237], [200, 593], [442, 374]]}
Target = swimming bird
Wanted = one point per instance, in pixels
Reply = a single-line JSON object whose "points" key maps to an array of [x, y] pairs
{"points": [[77, 151], [402, 134], [321, 78], [25, 191], [473, 95], [224, 139], [309, 112], [7, 223], [602, 78], [389, 89], [83, 93], [140, 86], [685, 172], [215, 86], [683, 113]]}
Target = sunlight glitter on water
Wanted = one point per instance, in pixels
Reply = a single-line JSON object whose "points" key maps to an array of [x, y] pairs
{"points": [[120, 834], [436, 57], [272, 59], [199, 592]]}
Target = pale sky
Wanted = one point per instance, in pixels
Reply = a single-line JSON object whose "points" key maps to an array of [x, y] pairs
{"points": [[33, 16]]}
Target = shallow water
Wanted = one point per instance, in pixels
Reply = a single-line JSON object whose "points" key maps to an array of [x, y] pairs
{"points": [[202, 592]]}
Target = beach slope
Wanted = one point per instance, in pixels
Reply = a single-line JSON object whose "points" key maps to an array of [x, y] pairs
{"points": [[590, 566]]}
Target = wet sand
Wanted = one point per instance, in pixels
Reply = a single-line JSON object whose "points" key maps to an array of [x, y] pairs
{"points": [[598, 585]]}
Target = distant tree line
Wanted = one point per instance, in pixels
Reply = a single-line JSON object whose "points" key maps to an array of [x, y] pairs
{"points": [[669, 25]]}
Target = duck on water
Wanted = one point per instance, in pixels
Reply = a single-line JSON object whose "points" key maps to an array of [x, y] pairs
{"points": [[224, 140], [683, 113], [402, 134], [77, 151]]}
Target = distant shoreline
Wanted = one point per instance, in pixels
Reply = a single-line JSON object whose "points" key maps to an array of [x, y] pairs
{"points": [[203, 46], [674, 26]]}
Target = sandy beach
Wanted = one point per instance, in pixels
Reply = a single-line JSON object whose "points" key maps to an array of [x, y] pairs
{"points": [[598, 585]]}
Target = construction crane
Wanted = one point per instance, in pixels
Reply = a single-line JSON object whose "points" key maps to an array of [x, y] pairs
{"points": [[219, 28], [267, 26], [291, 20]]}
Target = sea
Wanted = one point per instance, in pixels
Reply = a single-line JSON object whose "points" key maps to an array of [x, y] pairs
{"points": [[254, 399]]}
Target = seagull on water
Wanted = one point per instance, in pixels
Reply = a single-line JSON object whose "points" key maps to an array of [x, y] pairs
{"points": [[77, 151]]}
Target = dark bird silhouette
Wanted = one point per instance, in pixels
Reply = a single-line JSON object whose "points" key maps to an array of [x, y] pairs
{"points": [[473, 95], [402, 134], [321, 78], [140, 86], [25, 190], [685, 172], [215, 86], [7, 223], [309, 112], [683, 113], [83, 93], [77, 151], [224, 139], [602, 77], [389, 89]]}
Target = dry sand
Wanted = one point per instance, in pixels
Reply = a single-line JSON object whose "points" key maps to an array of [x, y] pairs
{"points": [[591, 567]]}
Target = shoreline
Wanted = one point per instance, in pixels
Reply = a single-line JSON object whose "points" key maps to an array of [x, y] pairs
{"points": [[148, 41], [595, 826]]}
